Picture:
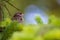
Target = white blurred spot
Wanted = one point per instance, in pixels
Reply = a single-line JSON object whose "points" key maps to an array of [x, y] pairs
{"points": [[31, 12]]}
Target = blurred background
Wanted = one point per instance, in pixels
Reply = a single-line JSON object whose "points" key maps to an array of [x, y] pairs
{"points": [[31, 8], [43, 17]]}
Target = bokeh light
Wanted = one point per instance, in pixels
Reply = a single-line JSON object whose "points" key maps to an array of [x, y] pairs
{"points": [[31, 12]]}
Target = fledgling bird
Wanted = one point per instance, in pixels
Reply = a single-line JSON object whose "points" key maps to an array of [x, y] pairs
{"points": [[18, 17]]}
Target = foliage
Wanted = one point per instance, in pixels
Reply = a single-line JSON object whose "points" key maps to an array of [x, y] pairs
{"points": [[53, 20], [52, 34], [38, 20], [17, 31]]}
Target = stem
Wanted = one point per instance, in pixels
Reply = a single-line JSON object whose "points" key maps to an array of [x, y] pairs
{"points": [[7, 10], [13, 5]]}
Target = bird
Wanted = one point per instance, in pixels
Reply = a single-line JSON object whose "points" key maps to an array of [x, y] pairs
{"points": [[18, 17]]}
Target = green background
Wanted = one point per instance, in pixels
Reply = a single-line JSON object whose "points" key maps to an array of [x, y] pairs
{"points": [[49, 6]]}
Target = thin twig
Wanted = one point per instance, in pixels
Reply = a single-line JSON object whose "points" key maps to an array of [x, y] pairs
{"points": [[3, 13], [7, 10], [13, 5]]}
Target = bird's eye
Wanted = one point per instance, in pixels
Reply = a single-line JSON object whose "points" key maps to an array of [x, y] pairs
{"points": [[20, 13], [21, 19]]}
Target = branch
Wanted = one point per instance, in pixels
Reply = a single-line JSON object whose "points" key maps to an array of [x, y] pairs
{"points": [[13, 5], [7, 10]]}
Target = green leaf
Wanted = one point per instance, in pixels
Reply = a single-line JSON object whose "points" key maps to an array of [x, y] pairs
{"points": [[38, 20], [9, 30]]}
